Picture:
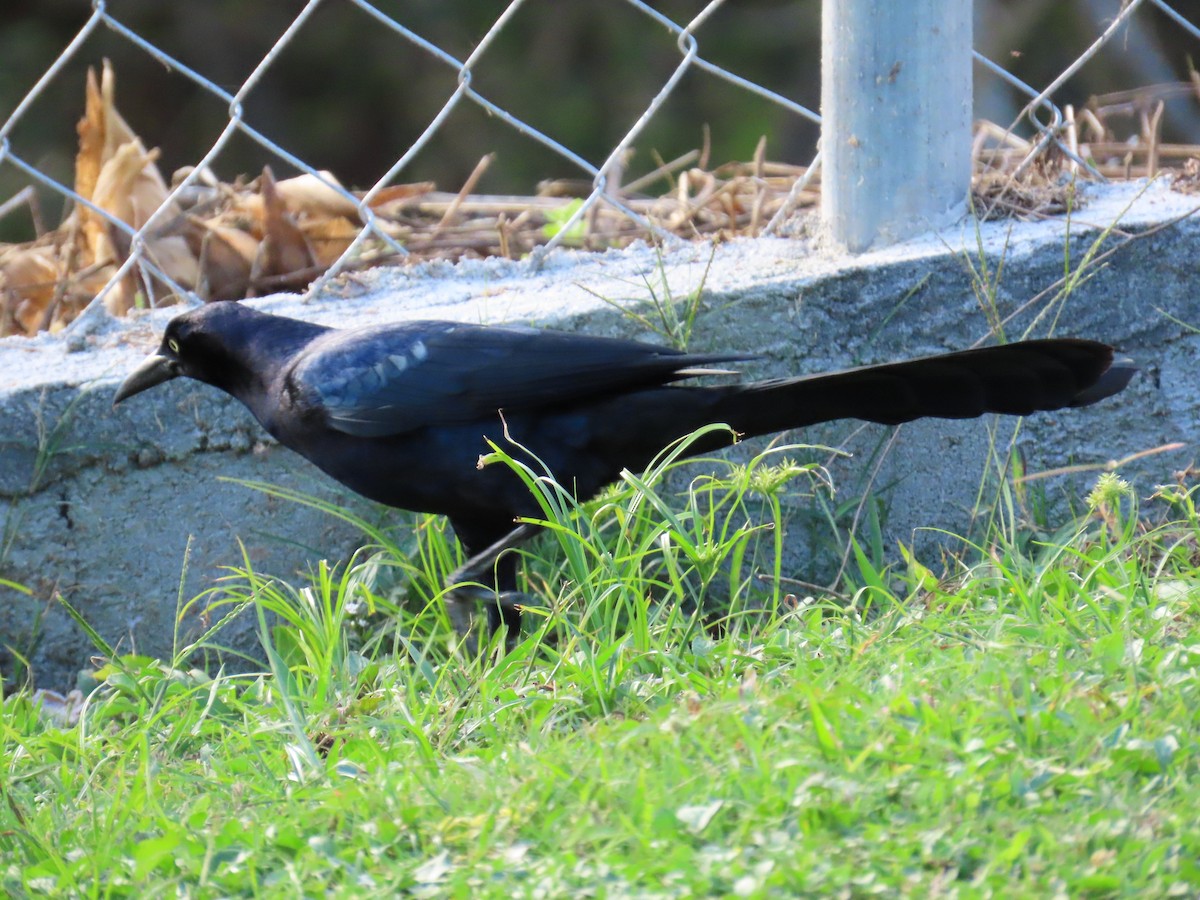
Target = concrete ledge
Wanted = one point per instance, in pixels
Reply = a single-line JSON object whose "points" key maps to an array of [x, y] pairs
{"points": [[99, 504]]}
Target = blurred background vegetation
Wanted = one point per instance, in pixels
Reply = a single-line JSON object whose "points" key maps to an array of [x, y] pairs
{"points": [[350, 96]]}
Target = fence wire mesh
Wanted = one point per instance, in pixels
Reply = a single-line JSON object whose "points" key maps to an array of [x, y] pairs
{"points": [[133, 236]]}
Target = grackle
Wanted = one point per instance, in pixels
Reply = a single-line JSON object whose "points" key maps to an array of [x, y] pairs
{"points": [[399, 413]]}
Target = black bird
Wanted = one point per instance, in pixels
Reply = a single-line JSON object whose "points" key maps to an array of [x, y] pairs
{"points": [[399, 413]]}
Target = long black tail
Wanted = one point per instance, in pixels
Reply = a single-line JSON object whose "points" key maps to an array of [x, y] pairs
{"points": [[1018, 379]]}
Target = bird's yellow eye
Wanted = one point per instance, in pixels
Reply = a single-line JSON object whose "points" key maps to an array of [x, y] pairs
{"points": [[173, 345]]}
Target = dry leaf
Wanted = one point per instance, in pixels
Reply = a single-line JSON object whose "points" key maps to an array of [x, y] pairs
{"points": [[116, 173], [226, 258], [398, 195], [28, 277], [123, 192], [329, 238], [306, 195], [101, 130], [284, 252]]}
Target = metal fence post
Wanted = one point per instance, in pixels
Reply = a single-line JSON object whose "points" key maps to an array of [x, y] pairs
{"points": [[896, 108]]}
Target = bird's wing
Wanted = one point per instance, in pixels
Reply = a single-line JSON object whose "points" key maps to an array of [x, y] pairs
{"points": [[394, 379]]}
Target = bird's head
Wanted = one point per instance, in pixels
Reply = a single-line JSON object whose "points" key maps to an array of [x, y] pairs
{"points": [[192, 345], [226, 344]]}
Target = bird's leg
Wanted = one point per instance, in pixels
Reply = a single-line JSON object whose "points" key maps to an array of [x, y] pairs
{"points": [[467, 589]]}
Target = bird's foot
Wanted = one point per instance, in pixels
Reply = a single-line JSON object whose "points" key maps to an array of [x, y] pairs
{"points": [[467, 591], [503, 609]]}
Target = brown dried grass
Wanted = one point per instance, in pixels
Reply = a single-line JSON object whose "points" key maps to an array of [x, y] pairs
{"points": [[227, 241]]}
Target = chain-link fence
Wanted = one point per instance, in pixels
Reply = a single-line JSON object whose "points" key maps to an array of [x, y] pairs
{"points": [[581, 91]]}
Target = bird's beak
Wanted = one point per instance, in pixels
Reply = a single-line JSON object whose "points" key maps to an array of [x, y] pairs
{"points": [[155, 370]]}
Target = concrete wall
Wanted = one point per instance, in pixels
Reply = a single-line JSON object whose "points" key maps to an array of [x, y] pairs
{"points": [[99, 504]]}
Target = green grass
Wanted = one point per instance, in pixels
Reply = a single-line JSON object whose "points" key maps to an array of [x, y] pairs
{"points": [[1023, 724]]}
